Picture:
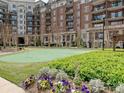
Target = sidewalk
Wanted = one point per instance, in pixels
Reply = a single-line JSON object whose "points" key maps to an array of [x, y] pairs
{"points": [[8, 87]]}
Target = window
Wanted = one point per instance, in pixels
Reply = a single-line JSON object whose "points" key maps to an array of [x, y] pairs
{"points": [[29, 7], [86, 9], [61, 24], [1, 16], [42, 16], [21, 10], [98, 25], [14, 6], [29, 29], [61, 17], [54, 12], [117, 3], [116, 14], [86, 26], [117, 23], [78, 6], [21, 22], [13, 22], [86, 17], [21, 27], [54, 18], [61, 10], [1, 10], [21, 16], [78, 14]]}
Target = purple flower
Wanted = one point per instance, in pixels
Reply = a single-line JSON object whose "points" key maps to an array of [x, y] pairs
{"points": [[85, 89], [65, 83], [51, 84], [53, 90]]}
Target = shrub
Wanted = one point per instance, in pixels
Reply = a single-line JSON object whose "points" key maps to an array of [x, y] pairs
{"points": [[61, 76], [77, 80], [120, 89], [53, 72], [44, 71], [97, 86]]}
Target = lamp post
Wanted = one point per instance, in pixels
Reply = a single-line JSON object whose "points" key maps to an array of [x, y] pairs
{"points": [[103, 45]]}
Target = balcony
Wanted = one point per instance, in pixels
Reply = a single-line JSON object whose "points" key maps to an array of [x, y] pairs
{"points": [[115, 18], [70, 20], [29, 14], [69, 11], [13, 12], [29, 19], [1, 11], [115, 8], [48, 17], [118, 4], [98, 18], [69, 5], [97, 2], [1, 16], [13, 18], [97, 21], [29, 25], [48, 23]]}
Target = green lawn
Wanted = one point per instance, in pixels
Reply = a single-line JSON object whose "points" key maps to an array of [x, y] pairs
{"points": [[107, 66]]}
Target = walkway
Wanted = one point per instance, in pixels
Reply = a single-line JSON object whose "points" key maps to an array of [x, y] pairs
{"points": [[8, 87]]}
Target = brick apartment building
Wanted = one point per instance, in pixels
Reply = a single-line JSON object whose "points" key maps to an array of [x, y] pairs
{"points": [[103, 12], [65, 22], [60, 22]]}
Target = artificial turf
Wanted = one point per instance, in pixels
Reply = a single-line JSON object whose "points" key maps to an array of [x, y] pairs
{"points": [[41, 55]]}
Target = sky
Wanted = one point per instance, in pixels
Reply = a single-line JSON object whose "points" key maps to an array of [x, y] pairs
{"points": [[44, 0]]}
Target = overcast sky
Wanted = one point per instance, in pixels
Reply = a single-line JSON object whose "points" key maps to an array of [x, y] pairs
{"points": [[43, 0]]}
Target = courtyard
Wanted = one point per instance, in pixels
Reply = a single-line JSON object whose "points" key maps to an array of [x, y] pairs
{"points": [[104, 65]]}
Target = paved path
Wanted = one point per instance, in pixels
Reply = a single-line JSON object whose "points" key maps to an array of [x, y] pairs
{"points": [[5, 53], [8, 87]]}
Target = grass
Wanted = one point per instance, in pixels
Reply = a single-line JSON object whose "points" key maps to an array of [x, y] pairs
{"points": [[16, 72]]}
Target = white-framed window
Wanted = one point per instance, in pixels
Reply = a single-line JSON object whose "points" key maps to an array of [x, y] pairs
{"points": [[86, 9], [61, 17], [86, 26], [42, 15], [54, 12], [61, 10], [54, 18], [61, 24], [86, 17], [78, 6]]}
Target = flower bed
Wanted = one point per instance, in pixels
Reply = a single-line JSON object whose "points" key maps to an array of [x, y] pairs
{"points": [[57, 81]]}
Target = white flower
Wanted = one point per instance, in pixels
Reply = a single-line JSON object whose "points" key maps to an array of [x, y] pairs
{"points": [[72, 90]]}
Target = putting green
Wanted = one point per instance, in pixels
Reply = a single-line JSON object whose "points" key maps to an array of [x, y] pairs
{"points": [[41, 55]]}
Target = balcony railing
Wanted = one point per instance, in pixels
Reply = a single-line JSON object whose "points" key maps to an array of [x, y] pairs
{"points": [[117, 3], [97, 2], [69, 11]]}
